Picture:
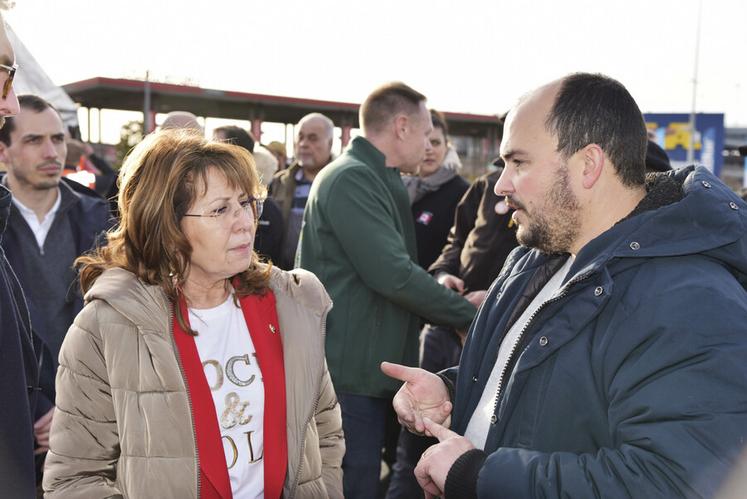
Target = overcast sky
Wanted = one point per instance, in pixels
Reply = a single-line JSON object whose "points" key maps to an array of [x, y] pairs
{"points": [[466, 56]]}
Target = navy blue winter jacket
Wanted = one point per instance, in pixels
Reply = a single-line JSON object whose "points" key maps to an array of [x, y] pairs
{"points": [[18, 381], [632, 381]]}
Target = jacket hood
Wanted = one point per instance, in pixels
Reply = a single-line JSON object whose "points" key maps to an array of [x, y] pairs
{"points": [[142, 304], [687, 211]]}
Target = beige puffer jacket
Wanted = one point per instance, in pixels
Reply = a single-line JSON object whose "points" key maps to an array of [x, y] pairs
{"points": [[123, 425]]}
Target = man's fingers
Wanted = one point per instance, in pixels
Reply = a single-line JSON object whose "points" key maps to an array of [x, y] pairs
{"points": [[438, 431], [403, 407], [43, 421], [400, 372], [422, 475]]}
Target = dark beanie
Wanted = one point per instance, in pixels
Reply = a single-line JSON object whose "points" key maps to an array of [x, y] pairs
{"points": [[656, 159]]}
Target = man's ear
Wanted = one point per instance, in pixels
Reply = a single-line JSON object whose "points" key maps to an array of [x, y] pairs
{"points": [[401, 123], [595, 161], [3, 152]]}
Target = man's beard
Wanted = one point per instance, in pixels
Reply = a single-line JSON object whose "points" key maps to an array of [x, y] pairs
{"points": [[554, 227], [42, 184]]}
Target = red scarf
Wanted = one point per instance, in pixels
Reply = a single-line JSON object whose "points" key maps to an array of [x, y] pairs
{"points": [[261, 318]]}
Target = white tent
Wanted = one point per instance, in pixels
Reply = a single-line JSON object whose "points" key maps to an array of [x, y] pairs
{"points": [[31, 79]]}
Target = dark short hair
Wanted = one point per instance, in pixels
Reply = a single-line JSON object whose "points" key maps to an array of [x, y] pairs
{"points": [[439, 121], [237, 136], [387, 101], [596, 109], [27, 101]]}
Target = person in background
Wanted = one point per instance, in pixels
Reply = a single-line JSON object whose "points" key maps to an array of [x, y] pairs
{"points": [[17, 357], [106, 177], [290, 188], [270, 230], [235, 135], [182, 120], [278, 150], [434, 193], [269, 237], [194, 369]]}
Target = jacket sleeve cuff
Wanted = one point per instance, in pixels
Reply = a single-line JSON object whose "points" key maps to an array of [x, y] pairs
{"points": [[461, 481], [448, 382]]}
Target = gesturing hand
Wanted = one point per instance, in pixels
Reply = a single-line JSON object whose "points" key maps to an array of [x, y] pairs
{"points": [[423, 395], [438, 459]]}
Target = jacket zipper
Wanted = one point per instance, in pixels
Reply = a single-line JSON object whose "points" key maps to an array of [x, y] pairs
{"points": [[564, 292], [189, 395], [311, 415]]}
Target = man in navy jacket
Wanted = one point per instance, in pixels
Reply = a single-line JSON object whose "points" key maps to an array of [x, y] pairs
{"points": [[608, 357], [20, 369]]}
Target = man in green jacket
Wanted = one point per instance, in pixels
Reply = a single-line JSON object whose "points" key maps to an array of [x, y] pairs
{"points": [[359, 239]]}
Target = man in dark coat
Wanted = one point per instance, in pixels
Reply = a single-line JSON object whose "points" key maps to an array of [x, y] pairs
{"points": [[608, 357], [17, 358]]}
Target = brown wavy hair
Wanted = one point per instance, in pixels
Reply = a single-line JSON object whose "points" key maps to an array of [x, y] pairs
{"points": [[157, 185]]}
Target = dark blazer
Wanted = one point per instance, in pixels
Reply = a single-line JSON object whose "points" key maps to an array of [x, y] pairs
{"points": [[18, 380]]}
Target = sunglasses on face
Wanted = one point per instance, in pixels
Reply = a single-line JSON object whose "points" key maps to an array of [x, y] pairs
{"points": [[11, 74]]}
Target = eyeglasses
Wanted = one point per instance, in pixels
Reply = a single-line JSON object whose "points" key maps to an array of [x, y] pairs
{"points": [[9, 82], [250, 206]]}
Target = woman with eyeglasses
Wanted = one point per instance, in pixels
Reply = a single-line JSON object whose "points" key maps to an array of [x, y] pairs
{"points": [[194, 370]]}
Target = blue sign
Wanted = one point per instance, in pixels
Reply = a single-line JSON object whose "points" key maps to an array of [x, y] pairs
{"points": [[672, 133]]}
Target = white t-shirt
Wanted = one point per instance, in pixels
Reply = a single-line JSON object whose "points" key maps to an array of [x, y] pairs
{"points": [[230, 363], [479, 423]]}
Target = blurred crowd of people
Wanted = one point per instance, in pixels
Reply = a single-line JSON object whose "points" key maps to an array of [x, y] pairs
{"points": [[214, 320]]}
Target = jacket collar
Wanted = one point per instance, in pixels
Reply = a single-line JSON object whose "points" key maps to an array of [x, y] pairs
{"points": [[361, 147]]}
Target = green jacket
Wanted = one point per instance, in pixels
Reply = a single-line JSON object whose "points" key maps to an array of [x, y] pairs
{"points": [[359, 239]]}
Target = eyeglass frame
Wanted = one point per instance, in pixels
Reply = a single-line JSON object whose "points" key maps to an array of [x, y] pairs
{"points": [[11, 76], [257, 206]]}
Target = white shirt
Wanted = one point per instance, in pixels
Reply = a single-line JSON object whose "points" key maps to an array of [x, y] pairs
{"points": [[40, 229], [479, 423], [230, 364]]}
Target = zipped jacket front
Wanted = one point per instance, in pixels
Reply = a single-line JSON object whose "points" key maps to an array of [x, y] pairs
{"points": [[631, 380]]}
